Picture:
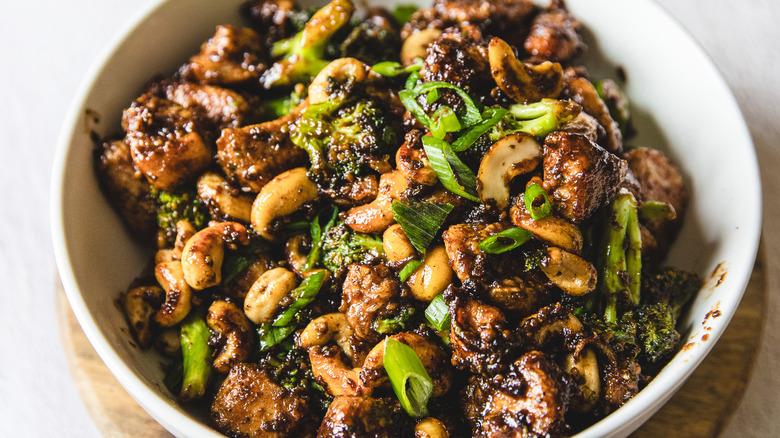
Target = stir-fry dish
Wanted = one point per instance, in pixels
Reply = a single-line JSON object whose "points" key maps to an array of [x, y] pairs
{"points": [[418, 222]]}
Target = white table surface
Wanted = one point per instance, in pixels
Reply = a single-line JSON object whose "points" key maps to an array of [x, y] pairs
{"points": [[47, 46]]}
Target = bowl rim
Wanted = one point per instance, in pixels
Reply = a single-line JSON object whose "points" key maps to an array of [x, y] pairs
{"points": [[170, 416]]}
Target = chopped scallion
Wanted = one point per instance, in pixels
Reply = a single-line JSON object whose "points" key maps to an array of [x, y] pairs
{"points": [[438, 313], [490, 117], [444, 121], [532, 193], [408, 377], [409, 269], [504, 241], [393, 69], [420, 220], [318, 229], [454, 175], [652, 210]]}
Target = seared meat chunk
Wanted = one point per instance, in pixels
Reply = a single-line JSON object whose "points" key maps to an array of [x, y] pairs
{"points": [[359, 417], [620, 383], [249, 404], [528, 401], [479, 337], [126, 189], [551, 328], [225, 108], [462, 244], [586, 125], [659, 180], [554, 36], [233, 56], [578, 88], [329, 366], [580, 176], [166, 140], [369, 292], [274, 19], [521, 293], [253, 155]]}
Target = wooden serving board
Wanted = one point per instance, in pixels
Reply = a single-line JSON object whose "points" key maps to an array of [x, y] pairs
{"points": [[701, 409]]}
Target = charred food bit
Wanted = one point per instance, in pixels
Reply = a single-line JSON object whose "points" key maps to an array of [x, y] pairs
{"points": [[356, 417], [370, 292], [554, 35], [234, 55]]}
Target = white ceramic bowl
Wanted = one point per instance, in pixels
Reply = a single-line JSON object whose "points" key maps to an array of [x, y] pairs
{"points": [[680, 102]]}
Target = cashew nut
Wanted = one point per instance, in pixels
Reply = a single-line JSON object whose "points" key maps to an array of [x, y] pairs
{"points": [[294, 252], [215, 192], [574, 275], [433, 276], [396, 245], [523, 83], [168, 342], [326, 328], [430, 428], [330, 370], [341, 70], [416, 45], [509, 157], [139, 312], [164, 255], [435, 360], [281, 196], [202, 256], [551, 229], [184, 231], [178, 294], [377, 215], [584, 366], [229, 321], [267, 293], [239, 286]]}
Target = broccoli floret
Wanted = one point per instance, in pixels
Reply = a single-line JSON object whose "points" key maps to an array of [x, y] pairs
{"points": [[656, 334], [342, 247], [343, 141], [400, 322], [303, 56], [291, 369], [539, 118], [372, 41], [281, 106], [670, 286], [173, 207]]}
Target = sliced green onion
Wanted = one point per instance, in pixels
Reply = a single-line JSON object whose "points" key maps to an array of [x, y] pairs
{"points": [[438, 313], [412, 80], [268, 335], [504, 241], [532, 193], [408, 377], [409, 269], [652, 210], [432, 96], [196, 354], [471, 115], [444, 121], [403, 12], [420, 220], [318, 229], [393, 69], [297, 227], [409, 100], [634, 253], [490, 117], [447, 165]]}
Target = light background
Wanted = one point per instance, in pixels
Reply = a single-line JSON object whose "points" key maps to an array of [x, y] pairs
{"points": [[47, 47]]}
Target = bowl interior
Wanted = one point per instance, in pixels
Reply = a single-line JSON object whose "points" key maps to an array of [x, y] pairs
{"points": [[680, 105]]}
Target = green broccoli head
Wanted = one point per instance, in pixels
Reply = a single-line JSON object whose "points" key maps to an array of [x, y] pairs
{"points": [[344, 141], [290, 368], [342, 247], [670, 286], [372, 41], [656, 332], [176, 206], [539, 118]]}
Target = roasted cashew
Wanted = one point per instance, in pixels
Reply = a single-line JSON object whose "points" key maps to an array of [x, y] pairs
{"points": [[377, 215], [433, 357], [433, 276], [139, 312], [572, 274], [164, 255], [331, 371], [584, 366], [294, 252], [396, 245], [281, 196], [543, 330], [552, 229], [178, 294], [507, 158], [202, 256], [229, 321], [215, 192], [184, 231], [340, 70], [523, 83], [430, 428], [416, 45], [168, 342], [326, 328], [267, 293]]}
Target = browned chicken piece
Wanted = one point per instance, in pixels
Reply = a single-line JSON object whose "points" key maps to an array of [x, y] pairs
{"points": [[519, 294], [369, 292], [659, 180], [554, 36], [586, 125], [166, 141], [578, 88], [330, 367], [580, 176], [412, 161], [253, 155], [234, 55], [479, 338], [274, 19], [360, 417], [225, 108], [619, 384], [249, 404], [126, 188], [462, 244], [528, 401]]}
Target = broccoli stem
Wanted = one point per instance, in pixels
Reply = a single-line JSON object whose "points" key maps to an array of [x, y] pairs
{"points": [[196, 354], [539, 118], [621, 260], [634, 254]]}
